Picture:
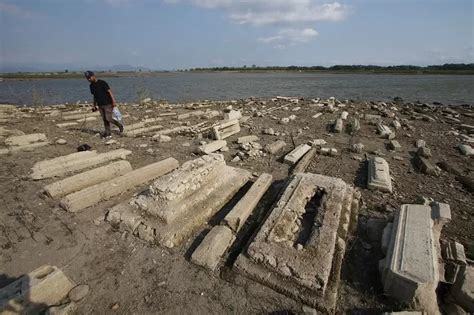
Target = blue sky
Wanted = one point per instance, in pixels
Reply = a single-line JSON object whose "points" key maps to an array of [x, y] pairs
{"points": [[179, 34]]}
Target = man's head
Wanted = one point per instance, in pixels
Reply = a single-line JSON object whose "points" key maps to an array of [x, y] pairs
{"points": [[90, 76]]}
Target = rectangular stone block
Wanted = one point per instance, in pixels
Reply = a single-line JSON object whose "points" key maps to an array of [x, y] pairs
{"points": [[83, 115], [379, 175], [247, 139], [236, 218], [410, 269], [212, 248], [86, 179], [294, 156], [68, 124], [26, 147], [420, 143], [395, 145], [275, 147], [424, 152], [303, 163], [372, 118], [94, 194], [32, 293], [425, 166], [338, 125], [190, 114], [226, 129], [299, 248], [182, 201], [25, 139], [454, 251], [74, 162], [140, 131]]}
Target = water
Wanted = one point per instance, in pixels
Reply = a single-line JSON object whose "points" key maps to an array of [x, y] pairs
{"points": [[181, 87]]}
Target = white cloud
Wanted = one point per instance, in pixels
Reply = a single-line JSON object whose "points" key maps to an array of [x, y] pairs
{"points": [[267, 12], [290, 37], [13, 9]]}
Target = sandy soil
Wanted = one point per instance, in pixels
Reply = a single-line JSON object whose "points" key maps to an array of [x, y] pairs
{"points": [[127, 275]]}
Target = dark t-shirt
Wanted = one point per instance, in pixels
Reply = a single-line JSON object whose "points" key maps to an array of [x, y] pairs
{"points": [[99, 90]]}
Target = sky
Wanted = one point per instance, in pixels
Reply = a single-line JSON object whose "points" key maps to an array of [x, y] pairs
{"points": [[182, 34]]}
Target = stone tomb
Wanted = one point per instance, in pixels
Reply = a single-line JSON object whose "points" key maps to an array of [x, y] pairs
{"points": [[298, 250], [178, 203], [410, 271]]}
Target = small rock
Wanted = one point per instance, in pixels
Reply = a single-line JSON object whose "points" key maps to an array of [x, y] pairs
{"points": [[111, 142], [143, 145], [186, 144], [163, 138], [236, 159], [115, 307], [61, 141]]}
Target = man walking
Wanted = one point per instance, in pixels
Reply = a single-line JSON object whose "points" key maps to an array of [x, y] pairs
{"points": [[105, 100]]}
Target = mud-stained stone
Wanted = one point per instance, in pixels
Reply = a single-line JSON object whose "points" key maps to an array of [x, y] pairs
{"points": [[298, 250], [379, 175], [32, 293], [410, 269], [178, 203]]}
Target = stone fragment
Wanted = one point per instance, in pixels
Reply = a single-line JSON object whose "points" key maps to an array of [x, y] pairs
{"points": [[247, 139], [275, 147], [212, 146], [94, 194], [357, 148], [191, 114], [466, 149], [379, 175], [68, 124], [344, 115], [424, 152], [385, 131], [232, 115], [317, 115], [110, 142], [61, 141], [269, 131], [425, 166], [338, 125], [284, 121], [420, 143], [81, 116], [162, 139], [299, 248], [226, 129], [463, 288], [86, 179], [64, 165], [213, 247], [65, 309], [354, 125], [294, 156], [32, 293], [395, 145], [396, 124], [140, 131], [317, 142], [372, 118], [410, 269], [454, 251]]}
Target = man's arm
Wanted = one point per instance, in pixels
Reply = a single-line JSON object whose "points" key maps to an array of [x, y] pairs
{"points": [[112, 97]]}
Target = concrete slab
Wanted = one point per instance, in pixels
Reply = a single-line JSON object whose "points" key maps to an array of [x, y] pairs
{"points": [[338, 125], [294, 156], [32, 293], [212, 146], [299, 248], [379, 175], [410, 269]]}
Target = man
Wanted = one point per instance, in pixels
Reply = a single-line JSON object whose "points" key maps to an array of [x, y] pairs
{"points": [[105, 100]]}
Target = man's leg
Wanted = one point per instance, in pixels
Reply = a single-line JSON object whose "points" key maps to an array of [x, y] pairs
{"points": [[106, 112], [118, 124]]}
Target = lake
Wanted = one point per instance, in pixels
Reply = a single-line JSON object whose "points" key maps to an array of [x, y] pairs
{"points": [[182, 87]]}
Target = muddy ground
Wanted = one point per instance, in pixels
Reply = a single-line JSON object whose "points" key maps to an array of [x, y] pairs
{"points": [[127, 275]]}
